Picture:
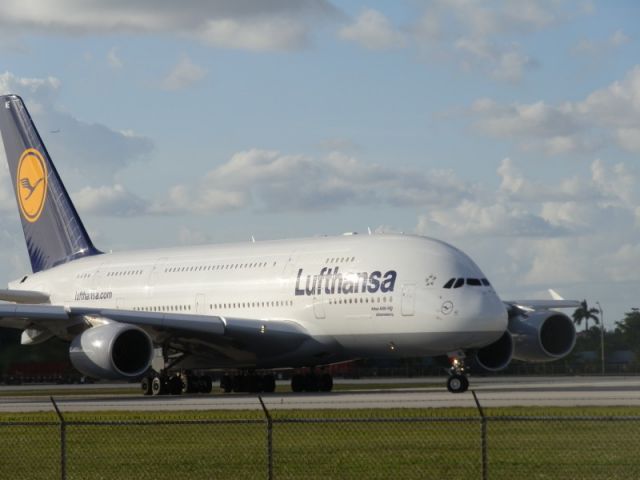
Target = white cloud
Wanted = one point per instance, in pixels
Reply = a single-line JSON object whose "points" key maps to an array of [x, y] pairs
{"points": [[474, 219], [190, 236], [113, 59], [95, 150], [608, 115], [578, 234], [605, 198], [7, 195], [256, 35], [251, 24], [618, 38], [507, 64], [479, 35], [602, 47], [184, 74], [622, 265], [373, 30], [271, 181], [42, 87], [628, 138], [113, 200]]}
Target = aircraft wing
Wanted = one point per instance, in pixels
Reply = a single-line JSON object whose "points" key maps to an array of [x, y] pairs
{"points": [[253, 335], [23, 296], [542, 304]]}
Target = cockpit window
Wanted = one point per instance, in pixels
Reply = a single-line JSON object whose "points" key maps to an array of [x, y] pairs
{"points": [[472, 282]]}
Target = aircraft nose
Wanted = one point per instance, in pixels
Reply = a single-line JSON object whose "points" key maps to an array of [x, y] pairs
{"points": [[484, 311]]}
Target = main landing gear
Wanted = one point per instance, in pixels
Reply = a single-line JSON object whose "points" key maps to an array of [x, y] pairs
{"points": [[248, 383], [457, 381], [312, 382], [165, 383], [175, 384]]}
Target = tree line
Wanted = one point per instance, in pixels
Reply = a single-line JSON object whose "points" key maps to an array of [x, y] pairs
{"points": [[624, 336]]}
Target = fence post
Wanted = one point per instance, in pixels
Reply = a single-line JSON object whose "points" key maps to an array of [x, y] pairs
{"points": [[269, 439], [63, 441], [483, 437]]}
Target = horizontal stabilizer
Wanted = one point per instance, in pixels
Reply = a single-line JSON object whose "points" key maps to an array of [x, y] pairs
{"points": [[23, 296]]}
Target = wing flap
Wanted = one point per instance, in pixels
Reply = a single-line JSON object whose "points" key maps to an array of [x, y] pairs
{"points": [[211, 325], [35, 313], [255, 335], [23, 296]]}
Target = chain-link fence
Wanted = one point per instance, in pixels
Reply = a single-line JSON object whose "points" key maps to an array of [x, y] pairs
{"points": [[284, 444]]}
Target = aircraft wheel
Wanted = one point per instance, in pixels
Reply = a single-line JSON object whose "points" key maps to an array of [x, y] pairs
{"points": [[254, 383], [297, 383], [206, 384], [226, 384], [457, 383], [239, 383], [311, 382], [188, 383], [157, 386], [175, 385], [326, 383], [145, 384], [269, 383]]}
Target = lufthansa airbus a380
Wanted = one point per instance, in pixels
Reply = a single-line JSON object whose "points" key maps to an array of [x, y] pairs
{"points": [[247, 309]]}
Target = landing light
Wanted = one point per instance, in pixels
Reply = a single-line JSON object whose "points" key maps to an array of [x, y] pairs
{"points": [[392, 346]]}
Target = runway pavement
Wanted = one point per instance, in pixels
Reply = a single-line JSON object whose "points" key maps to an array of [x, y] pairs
{"points": [[491, 391]]}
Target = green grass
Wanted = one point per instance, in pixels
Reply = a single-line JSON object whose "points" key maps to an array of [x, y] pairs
{"points": [[532, 443]]}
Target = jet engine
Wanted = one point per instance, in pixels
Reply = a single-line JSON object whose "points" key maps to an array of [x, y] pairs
{"points": [[112, 351], [541, 336], [496, 356]]}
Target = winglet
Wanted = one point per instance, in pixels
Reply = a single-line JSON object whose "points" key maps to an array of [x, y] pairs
{"points": [[555, 295]]}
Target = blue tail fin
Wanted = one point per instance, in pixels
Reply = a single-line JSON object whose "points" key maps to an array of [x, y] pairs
{"points": [[52, 228]]}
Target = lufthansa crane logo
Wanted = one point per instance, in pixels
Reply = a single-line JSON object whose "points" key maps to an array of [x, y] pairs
{"points": [[31, 184]]}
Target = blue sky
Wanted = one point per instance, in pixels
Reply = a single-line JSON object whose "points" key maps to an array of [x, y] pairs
{"points": [[510, 129]]}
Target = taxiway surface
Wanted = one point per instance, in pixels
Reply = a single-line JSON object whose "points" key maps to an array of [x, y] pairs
{"points": [[491, 392]]}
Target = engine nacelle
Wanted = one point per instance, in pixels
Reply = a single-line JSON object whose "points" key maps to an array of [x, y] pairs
{"points": [[496, 356], [542, 336], [113, 351]]}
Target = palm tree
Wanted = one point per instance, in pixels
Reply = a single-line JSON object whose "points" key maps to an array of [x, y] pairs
{"points": [[583, 312]]}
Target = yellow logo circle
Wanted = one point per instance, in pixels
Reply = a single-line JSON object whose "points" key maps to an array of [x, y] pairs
{"points": [[31, 184]]}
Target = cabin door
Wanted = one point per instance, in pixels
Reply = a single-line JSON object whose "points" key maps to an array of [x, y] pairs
{"points": [[408, 299], [201, 303]]}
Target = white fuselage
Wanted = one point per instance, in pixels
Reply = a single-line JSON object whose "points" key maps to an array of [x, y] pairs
{"points": [[373, 295]]}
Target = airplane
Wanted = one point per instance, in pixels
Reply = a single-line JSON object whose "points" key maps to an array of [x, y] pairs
{"points": [[246, 310]]}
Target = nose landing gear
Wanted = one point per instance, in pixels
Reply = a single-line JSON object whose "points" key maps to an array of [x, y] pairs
{"points": [[457, 381]]}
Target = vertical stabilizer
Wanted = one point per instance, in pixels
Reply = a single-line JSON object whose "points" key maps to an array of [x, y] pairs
{"points": [[52, 228]]}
